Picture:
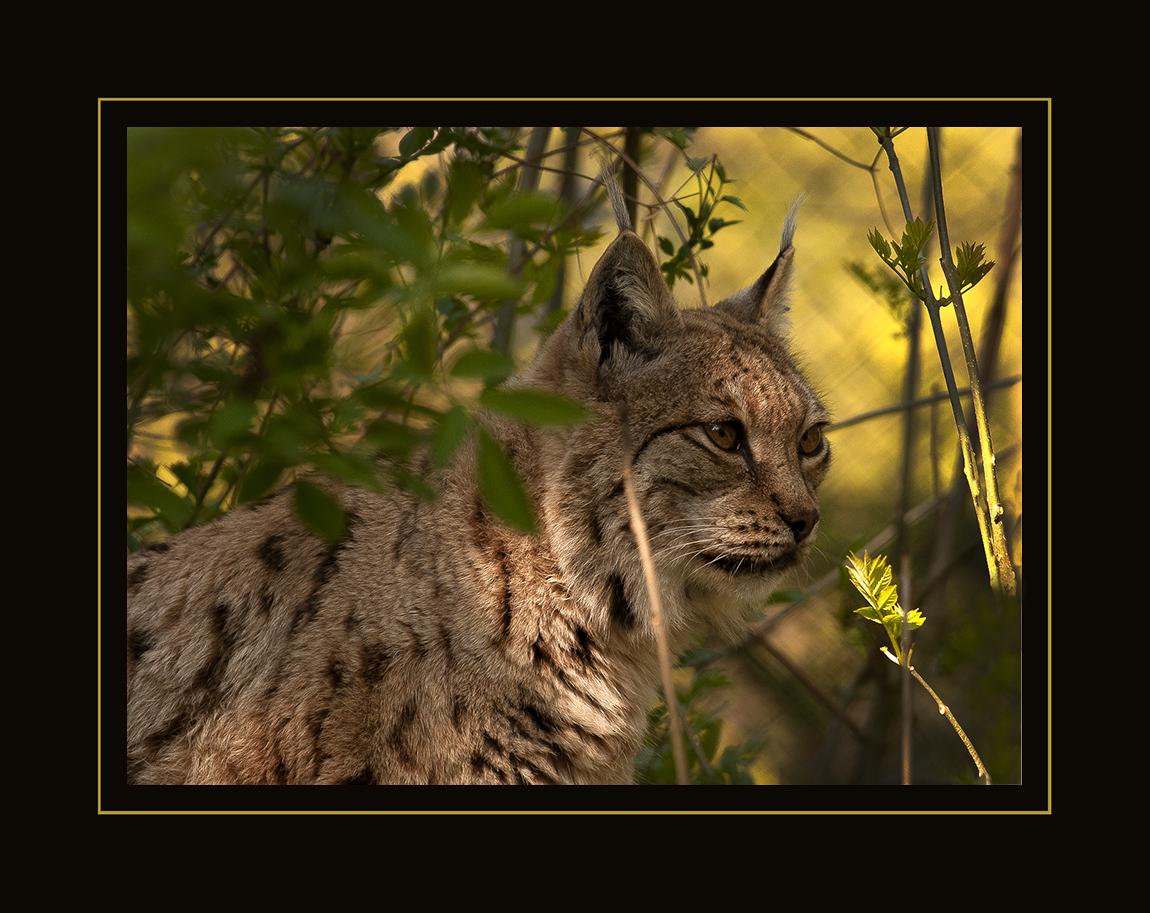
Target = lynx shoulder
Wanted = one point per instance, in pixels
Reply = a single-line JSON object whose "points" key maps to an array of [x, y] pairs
{"points": [[432, 644]]}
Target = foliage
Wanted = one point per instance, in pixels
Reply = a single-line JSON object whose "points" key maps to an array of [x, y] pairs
{"points": [[906, 259], [706, 763], [873, 578], [300, 298], [962, 272], [703, 225]]}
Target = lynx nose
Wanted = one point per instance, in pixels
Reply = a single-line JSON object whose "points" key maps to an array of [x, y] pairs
{"points": [[802, 522]]}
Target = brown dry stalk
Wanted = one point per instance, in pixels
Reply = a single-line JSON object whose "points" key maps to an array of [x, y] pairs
{"points": [[639, 527]]}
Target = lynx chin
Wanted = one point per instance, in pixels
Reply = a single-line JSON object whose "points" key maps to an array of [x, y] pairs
{"points": [[433, 644]]}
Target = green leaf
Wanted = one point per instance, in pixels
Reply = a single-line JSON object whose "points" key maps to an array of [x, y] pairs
{"points": [[349, 467], [502, 487], [413, 483], [870, 613], [231, 423], [880, 245], [421, 337], [448, 434], [522, 209], [260, 478], [393, 438], [320, 512], [489, 366], [914, 239], [535, 407], [482, 281], [463, 188], [415, 139], [715, 224], [145, 489], [689, 214], [905, 261], [874, 580], [969, 266], [385, 396]]}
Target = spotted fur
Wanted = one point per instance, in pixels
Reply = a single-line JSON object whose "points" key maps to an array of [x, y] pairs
{"points": [[432, 644]]}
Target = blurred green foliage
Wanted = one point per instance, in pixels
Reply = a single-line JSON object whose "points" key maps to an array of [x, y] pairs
{"points": [[292, 295], [710, 761], [316, 298]]}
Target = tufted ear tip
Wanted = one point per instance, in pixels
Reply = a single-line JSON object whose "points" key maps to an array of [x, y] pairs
{"points": [[614, 194], [791, 223], [768, 300]]}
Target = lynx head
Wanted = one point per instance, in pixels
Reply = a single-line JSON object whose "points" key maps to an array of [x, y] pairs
{"points": [[726, 442]]}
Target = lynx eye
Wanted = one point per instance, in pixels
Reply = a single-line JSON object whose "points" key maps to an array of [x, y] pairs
{"points": [[811, 440], [725, 435]]}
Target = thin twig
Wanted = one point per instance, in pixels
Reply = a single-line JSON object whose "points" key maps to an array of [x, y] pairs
{"points": [[945, 711], [906, 575], [698, 749], [989, 477], [504, 334], [670, 697], [663, 203], [919, 401], [831, 149], [932, 308], [807, 682]]}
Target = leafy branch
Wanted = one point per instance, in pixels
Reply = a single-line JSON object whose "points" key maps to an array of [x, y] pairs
{"points": [[875, 581], [962, 270], [907, 261], [701, 226], [264, 264], [709, 763]]}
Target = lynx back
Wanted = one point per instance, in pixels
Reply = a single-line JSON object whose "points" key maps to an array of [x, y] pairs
{"points": [[433, 644]]}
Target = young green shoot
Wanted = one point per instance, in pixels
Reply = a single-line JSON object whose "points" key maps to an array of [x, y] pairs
{"points": [[873, 578], [907, 262]]}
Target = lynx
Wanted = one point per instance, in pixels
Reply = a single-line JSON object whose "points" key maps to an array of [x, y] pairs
{"points": [[435, 645]]}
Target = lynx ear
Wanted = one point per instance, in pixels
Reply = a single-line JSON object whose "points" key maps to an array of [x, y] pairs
{"points": [[768, 300], [626, 307]]}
